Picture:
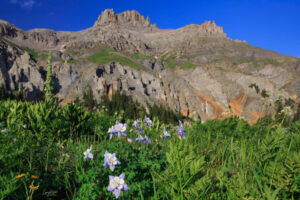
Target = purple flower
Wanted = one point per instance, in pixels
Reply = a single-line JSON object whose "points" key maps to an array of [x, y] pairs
{"points": [[118, 128], [88, 154], [111, 131], [148, 121], [116, 184], [110, 160], [166, 134], [136, 124], [5, 130], [147, 140], [181, 130], [139, 138]]}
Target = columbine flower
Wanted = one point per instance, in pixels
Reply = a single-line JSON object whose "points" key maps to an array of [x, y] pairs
{"points": [[148, 121], [5, 130], [116, 184], [129, 140], [111, 131], [136, 124], [139, 138], [120, 129], [110, 160], [166, 134], [88, 154], [147, 140], [181, 130]]}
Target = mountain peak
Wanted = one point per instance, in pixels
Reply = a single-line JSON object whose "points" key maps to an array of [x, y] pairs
{"points": [[128, 18]]}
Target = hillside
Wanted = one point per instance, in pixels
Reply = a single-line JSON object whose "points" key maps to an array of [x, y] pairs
{"points": [[195, 70]]}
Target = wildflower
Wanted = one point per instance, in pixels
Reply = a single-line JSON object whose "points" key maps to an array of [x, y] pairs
{"points": [[5, 130], [287, 111], [15, 139], [129, 140], [141, 131], [136, 124], [148, 121], [139, 138], [25, 126], [34, 177], [88, 154], [110, 160], [181, 130], [34, 187], [120, 129], [286, 130], [116, 184], [20, 176], [166, 134], [225, 112], [147, 140], [111, 131]]}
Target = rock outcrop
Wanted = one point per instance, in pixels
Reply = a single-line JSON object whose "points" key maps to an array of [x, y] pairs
{"points": [[127, 18], [19, 72], [195, 70]]}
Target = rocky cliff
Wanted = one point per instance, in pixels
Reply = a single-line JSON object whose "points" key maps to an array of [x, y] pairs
{"points": [[195, 70]]}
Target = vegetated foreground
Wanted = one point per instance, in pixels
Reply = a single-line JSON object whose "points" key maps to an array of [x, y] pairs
{"points": [[70, 153]]}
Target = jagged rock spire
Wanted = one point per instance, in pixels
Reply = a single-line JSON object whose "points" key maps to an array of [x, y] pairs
{"points": [[127, 18]]}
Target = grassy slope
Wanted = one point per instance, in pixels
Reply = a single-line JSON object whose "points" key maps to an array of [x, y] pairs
{"points": [[107, 55]]}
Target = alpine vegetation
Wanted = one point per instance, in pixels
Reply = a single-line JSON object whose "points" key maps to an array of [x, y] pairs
{"points": [[206, 161], [49, 97]]}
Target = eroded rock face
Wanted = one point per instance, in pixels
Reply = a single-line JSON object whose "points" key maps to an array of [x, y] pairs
{"points": [[127, 18], [19, 72], [218, 82]]}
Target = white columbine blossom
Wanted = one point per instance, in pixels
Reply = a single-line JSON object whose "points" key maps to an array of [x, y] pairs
{"points": [[88, 154]]}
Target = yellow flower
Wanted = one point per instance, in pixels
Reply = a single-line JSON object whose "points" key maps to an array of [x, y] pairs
{"points": [[34, 187], [34, 177], [20, 175]]}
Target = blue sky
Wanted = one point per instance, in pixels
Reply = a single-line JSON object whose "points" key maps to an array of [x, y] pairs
{"points": [[273, 25]]}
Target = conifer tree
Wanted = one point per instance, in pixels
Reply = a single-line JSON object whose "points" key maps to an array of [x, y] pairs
{"points": [[49, 84]]}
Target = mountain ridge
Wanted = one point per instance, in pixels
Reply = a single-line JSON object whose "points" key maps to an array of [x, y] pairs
{"points": [[196, 70]]}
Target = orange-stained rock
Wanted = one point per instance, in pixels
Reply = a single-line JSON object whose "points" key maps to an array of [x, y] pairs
{"points": [[295, 98], [256, 115], [184, 112], [161, 101], [110, 92], [237, 105], [218, 108]]}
